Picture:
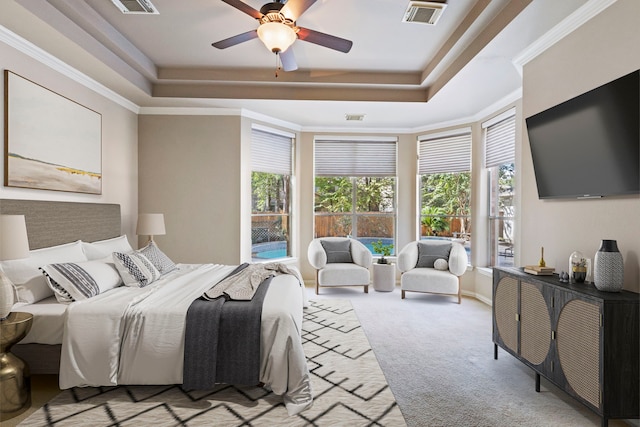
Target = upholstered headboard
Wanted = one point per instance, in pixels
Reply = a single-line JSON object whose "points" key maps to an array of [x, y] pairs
{"points": [[52, 223]]}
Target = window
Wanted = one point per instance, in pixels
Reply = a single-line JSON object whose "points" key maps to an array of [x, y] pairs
{"points": [[444, 165], [355, 189], [499, 161], [270, 194]]}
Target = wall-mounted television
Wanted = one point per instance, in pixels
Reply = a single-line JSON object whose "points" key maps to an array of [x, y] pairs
{"points": [[588, 146]]}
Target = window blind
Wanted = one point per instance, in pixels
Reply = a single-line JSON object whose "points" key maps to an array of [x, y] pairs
{"points": [[355, 158], [441, 154], [500, 140], [270, 152]]}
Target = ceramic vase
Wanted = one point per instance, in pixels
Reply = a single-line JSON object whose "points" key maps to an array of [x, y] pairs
{"points": [[6, 295], [608, 267]]}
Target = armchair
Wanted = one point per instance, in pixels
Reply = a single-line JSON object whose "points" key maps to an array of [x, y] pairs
{"points": [[340, 261], [432, 266]]}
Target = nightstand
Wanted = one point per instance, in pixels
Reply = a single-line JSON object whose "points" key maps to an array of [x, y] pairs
{"points": [[15, 379]]}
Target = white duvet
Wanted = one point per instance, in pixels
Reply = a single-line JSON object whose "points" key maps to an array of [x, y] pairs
{"points": [[135, 335]]}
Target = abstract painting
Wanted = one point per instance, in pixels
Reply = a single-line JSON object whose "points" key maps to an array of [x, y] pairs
{"points": [[51, 142]]}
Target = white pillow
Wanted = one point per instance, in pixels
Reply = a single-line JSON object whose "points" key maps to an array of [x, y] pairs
{"points": [[104, 248], [135, 269], [31, 285], [441, 264], [82, 280]]}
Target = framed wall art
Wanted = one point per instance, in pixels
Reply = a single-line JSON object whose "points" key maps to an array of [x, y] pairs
{"points": [[51, 142]]}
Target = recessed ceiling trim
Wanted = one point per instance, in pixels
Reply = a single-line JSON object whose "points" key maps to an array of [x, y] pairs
{"points": [[325, 93], [300, 76]]}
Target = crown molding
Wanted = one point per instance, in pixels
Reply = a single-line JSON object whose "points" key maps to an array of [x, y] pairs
{"points": [[24, 46], [561, 30], [214, 111]]}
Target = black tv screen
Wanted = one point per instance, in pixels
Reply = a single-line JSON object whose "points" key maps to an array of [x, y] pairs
{"points": [[588, 146]]}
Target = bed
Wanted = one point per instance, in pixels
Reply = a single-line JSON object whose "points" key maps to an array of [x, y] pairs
{"points": [[136, 335]]}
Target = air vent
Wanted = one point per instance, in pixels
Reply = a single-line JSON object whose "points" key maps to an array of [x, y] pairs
{"points": [[135, 6], [424, 12], [354, 117]]}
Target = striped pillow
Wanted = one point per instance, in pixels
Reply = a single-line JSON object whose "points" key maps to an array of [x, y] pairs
{"points": [[135, 269], [80, 281]]}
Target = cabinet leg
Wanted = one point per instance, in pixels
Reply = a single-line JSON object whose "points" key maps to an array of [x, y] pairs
{"points": [[538, 382], [604, 422], [495, 351]]}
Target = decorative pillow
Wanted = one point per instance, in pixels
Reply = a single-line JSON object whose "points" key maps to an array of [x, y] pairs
{"points": [[337, 251], [31, 285], [428, 253], [135, 269], [104, 248], [441, 264], [80, 281], [158, 258]]}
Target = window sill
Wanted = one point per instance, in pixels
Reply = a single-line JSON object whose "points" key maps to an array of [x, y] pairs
{"points": [[485, 271]]}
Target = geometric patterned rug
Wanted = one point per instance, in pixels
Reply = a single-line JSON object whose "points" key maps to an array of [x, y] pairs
{"points": [[348, 385]]}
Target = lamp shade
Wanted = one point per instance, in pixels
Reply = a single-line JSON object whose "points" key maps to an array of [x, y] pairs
{"points": [[14, 243], [151, 224], [277, 37]]}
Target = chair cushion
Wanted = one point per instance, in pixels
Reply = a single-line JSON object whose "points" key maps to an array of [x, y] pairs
{"points": [[337, 251], [429, 280], [429, 252], [340, 274]]}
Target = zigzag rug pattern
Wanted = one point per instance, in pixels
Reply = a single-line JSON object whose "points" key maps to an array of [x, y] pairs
{"points": [[348, 385]]}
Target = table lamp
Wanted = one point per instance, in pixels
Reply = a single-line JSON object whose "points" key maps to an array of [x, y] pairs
{"points": [[150, 224], [14, 244]]}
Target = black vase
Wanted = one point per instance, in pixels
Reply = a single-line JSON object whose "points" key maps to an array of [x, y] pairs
{"points": [[608, 267]]}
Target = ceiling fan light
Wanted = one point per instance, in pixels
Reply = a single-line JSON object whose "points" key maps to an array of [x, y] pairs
{"points": [[276, 37]]}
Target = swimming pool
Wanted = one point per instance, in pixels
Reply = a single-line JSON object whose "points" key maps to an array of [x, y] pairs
{"points": [[274, 250]]}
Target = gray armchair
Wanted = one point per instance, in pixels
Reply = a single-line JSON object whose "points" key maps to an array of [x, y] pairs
{"points": [[340, 261]]}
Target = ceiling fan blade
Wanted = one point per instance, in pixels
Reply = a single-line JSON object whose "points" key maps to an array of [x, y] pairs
{"points": [[326, 40], [288, 60], [244, 8], [294, 8], [237, 39]]}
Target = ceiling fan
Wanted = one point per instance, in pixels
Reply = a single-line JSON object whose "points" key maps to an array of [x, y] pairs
{"points": [[278, 30]]}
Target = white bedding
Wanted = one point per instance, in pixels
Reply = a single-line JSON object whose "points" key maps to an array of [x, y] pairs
{"points": [[133, 335], [48, 321]]}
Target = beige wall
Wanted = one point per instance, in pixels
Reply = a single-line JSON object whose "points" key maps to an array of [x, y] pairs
{"points": [[603, 49], [119, 140], [190, 170]]}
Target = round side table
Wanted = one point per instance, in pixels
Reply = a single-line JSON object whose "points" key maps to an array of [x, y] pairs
{"points": [[15, 378], [384, 277]]}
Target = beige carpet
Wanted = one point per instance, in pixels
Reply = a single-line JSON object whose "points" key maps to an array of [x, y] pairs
{"points": [[348, 385]]}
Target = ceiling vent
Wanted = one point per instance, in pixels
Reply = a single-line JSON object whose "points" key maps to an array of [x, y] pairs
{"points": [[424, 12], [135, 6], [354, 117]]}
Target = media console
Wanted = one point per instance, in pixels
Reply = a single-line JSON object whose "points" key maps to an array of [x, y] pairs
{"points": [[584, 341]]}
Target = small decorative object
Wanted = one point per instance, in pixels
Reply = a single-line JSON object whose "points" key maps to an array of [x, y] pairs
{"points": [[6, 296], [14, 244], [564, 277], [542, 263], [609, 267], [578, 267], [382, 249]]}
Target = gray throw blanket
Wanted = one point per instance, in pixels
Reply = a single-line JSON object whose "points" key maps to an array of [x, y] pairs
{"points": [[242, 285], [222, 340]]}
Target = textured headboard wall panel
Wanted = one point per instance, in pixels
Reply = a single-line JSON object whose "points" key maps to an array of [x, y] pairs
{"points": [[52, 223]]}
